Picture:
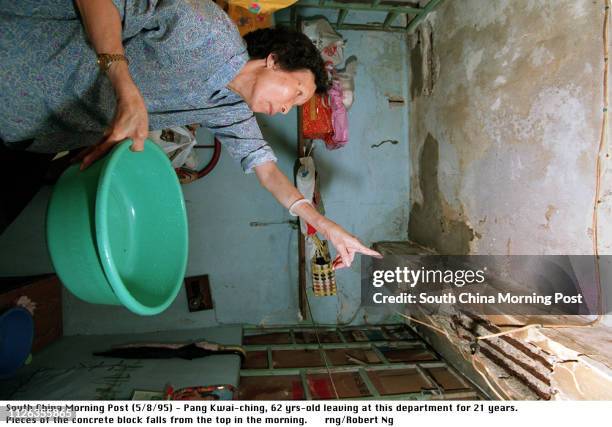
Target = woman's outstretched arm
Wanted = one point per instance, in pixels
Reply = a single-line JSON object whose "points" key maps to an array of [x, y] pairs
{"points": [[102, 23], [347, 245]]}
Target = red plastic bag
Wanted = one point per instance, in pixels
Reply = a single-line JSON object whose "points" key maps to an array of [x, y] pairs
{"points": [[317, 118]]}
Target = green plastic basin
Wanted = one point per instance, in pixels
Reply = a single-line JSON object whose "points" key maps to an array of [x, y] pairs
{"points": [[117, 231]]}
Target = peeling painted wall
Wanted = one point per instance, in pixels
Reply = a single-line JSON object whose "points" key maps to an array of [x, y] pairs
{"points": [[503, 149]]}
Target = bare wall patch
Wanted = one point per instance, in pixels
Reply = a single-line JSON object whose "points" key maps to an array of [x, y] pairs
{"points": [[433, 222]]}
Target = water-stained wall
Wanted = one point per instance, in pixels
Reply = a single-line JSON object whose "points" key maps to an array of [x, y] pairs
{"points": [[505, 125]]}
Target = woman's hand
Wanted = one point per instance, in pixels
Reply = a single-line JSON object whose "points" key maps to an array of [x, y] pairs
{"points": [[346, 245], [102, 22], [130, 121]]}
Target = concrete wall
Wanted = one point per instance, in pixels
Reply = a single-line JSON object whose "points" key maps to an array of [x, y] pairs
{"points": [[506, 116], [503, 149]]}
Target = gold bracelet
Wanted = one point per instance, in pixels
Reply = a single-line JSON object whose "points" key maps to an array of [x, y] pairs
{"points": [[105, 60]]}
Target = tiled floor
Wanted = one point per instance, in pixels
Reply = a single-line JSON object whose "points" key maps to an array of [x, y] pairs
{"points": [[384, 362]]}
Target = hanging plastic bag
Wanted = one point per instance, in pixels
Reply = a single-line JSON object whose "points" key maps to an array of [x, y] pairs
{"points": [[177, 142], [346, 77], [262, 6], [339, 137], [317, 118], [325, 39]]}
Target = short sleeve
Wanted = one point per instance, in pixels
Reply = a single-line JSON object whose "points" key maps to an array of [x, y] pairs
{"points": [[260, 156], [245, 144], [236, 128]]}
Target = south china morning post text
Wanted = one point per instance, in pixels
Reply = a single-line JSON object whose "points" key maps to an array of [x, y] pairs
{"points": [[225, 413], [232, 413], [534, 287], [134, 413], [290, 413]]}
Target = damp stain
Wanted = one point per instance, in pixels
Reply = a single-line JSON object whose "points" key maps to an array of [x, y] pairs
{"points": [[416, 68], [434, 223]]}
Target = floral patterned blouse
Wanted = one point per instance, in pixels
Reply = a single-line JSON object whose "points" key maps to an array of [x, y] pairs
{"points": [[182, 55]]}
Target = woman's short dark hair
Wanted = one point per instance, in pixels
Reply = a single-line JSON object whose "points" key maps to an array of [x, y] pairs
{"points": [[294, 51]]}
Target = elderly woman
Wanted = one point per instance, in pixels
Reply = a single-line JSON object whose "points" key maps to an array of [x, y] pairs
{"points": [[95, 72]]}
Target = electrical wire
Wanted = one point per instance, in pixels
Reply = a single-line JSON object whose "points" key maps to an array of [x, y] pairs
{"points": [[499, 334], [489, 384], [595, 218], [310, 149], [429, 325], [314, 327], [602, 143]]}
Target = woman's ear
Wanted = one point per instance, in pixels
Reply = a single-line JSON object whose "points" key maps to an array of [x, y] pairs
{"points": [[272, 61]]}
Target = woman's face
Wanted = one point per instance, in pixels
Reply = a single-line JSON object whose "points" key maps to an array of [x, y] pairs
{"points": [[277, 91]]}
